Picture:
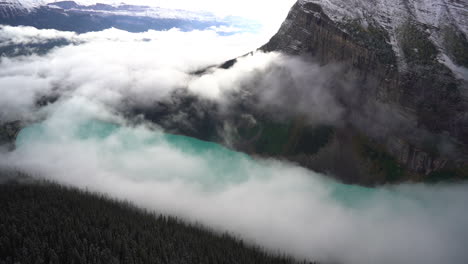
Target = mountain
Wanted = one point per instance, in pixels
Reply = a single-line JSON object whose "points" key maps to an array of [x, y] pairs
{"points": [[402, 32], [71, 16], [410, 55], [10, 9]]}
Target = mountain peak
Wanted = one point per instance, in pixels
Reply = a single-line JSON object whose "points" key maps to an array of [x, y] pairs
{"points": [[65, 4]]}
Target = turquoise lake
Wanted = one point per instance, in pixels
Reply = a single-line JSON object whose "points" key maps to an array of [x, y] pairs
{"points": [[226, 166]]}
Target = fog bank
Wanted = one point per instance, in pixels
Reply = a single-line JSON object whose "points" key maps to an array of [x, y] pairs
{"points": [[270, 203]]}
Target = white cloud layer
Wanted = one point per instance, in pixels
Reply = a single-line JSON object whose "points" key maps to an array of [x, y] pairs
{"points": [[110, 65], [273, 204]]}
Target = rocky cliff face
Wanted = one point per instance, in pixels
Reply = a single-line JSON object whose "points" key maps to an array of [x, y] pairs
{"points": [[382, 25], [415, 53]]}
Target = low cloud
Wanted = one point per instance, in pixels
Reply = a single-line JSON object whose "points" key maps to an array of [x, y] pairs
{"points": [[273, 204], [29, 35], [110, 65], [115, 66], [289, 86], [137, 70]]}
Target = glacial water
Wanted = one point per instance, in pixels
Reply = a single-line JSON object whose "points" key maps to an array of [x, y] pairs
{"points": [[225, 166], [274, 204]]}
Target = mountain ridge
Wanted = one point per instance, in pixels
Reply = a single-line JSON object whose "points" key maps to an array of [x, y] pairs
{"points": [[100, 8], [405, 68], [71, 16]]}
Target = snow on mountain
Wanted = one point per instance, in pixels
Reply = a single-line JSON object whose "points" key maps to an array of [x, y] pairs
{"points": [[391, 13], [436, 17], [123, 9], [23, 4], [73, 16], [114, 8], [11, 8]]}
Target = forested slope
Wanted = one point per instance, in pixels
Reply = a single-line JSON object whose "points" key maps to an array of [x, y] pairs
{"points": [[47, 223]]}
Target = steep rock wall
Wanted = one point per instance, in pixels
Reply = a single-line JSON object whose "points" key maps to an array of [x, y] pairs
{"points": [[402, 63]]}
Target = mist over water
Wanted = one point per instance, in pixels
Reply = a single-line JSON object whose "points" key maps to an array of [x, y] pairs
{"points": [[273, 204]]}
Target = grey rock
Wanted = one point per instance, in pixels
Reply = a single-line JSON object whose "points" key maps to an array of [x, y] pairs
{"points": [[405, 56]]}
